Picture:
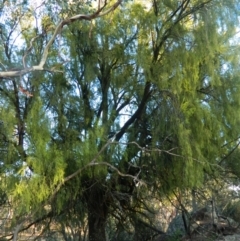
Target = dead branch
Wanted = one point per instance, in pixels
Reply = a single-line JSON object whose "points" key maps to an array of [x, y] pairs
{"points": [[95, 163], [25, 92], [40, 67]]}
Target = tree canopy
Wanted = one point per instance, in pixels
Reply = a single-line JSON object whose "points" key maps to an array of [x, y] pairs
{"points": [[105, 104]]}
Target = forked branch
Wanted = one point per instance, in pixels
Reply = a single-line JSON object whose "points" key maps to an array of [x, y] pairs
{"points": [[99, 13]]}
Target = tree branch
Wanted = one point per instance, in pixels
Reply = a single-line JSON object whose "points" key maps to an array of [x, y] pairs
{"points": [[138, 112], [40, 66]]}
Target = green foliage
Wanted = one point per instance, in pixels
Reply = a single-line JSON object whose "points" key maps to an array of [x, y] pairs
{"points": [[146, 92], [232, 210], [177, 236]]}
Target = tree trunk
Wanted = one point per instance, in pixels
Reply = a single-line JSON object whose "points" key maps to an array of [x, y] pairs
{"points": [[96, 198], [96, 226], [194, 202]]}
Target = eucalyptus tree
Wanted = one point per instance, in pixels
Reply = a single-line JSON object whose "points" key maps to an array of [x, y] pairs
{"points": [[132, 101]]}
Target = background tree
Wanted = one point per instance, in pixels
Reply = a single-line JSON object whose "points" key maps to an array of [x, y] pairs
{"points": [[136, 101]]}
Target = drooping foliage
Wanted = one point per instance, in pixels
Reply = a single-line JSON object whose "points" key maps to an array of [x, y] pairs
{"points": [[142, 101]]}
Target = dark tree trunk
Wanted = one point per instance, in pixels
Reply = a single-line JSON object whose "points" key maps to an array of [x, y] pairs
{"points": [[96, 197], [96, 226]]}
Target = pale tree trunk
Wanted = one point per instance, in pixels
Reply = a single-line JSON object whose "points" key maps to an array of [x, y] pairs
{"points": [[194, 202], [16, 230], [214, 215]]}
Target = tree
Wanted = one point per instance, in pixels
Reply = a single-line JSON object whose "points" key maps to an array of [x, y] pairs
{"points": [[131, 101]]}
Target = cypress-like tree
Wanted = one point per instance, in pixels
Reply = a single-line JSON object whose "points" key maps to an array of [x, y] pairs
{"points": [[102, 113]]}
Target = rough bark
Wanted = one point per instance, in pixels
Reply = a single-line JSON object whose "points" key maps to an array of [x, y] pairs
{"points": [[96, 225], [97, 204]]}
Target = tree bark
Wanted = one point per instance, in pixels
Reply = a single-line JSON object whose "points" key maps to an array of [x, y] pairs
{"points": [[96, 226], [96, 198]]}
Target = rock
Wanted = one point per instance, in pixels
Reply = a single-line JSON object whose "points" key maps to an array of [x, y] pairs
{"points": [[235, 237]]}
